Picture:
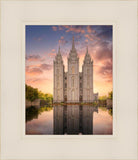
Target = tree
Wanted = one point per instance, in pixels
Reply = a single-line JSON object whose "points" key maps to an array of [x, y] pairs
{"points": [[31, 93], [48, 98], [41, 95], [34, 93], [102, 98], [110, 95]]}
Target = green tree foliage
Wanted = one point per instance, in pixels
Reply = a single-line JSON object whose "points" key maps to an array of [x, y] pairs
{"points": [[102, 97], [31, 93], [34, 93], [48, 98], [110, 95]]}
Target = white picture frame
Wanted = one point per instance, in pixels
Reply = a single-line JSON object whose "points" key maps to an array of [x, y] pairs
{"points": [[123, 16]]}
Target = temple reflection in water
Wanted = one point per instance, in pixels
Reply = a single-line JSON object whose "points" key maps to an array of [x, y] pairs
{"points": [[74, 119]]}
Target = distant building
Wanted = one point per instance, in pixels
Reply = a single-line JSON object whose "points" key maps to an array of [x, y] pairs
{"points": [[73, 86]]}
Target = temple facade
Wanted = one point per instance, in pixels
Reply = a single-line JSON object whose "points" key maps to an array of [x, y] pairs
{"points": [[73, 86]]}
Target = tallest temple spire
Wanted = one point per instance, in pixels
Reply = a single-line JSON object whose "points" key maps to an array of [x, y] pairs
{"points": [[73, 52], [73, 44]]}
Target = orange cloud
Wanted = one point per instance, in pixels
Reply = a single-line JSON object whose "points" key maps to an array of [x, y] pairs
{"points": [[45, 66], [86, 40], [54, 28], [53, 50], [77, 29], [62, 41], [61, 37], [33, 71], [34, 58], [90, 30]]}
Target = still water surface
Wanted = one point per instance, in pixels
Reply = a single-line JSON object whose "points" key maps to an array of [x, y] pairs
{"points": [[71, 119]]}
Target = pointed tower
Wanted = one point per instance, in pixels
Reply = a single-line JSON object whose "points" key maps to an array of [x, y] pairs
{"points": [[58, 78], [73, 75], [87, 71]]}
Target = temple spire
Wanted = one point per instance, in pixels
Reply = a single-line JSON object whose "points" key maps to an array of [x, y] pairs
{"points": [[87, 56], [73, 44], [73, 52], [87, 50], [87, 53], [59, 50], [58, 57]]}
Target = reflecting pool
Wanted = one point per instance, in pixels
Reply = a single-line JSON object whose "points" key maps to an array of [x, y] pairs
{"points": [[69, 119]]}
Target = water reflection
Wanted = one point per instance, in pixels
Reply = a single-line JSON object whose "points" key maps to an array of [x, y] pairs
{"points": [[33, 112], [70, 119], [74, 119]]}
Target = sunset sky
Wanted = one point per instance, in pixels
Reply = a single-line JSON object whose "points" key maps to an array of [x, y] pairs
{"points": [[42, 44]]}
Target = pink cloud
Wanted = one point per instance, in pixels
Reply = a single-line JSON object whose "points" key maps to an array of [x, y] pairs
{"points": [[33, 71], [36, 80], [54, 28], [34, 58], [62, 41], [86, 40], [76, 30], [90, 30], [89, 36], [46, 66], [60, 28], [51, 54], [53, 50], [61, 37]]}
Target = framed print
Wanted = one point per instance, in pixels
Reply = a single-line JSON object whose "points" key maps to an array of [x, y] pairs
{"points": [[67, 95], [68, 79]]}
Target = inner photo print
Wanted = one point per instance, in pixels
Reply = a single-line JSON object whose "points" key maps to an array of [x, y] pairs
{"points": [[69, 89]]}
